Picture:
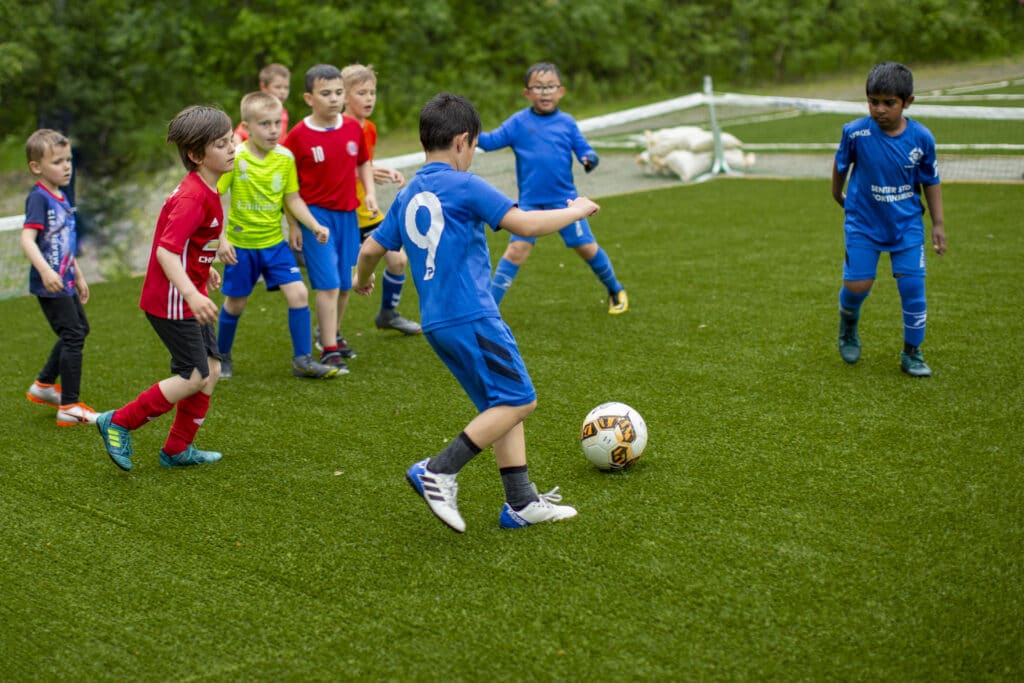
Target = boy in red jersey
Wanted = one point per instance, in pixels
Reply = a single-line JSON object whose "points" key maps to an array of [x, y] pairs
{"points": [[360, 98], [174, 295], [276, 80], [330, 153]]}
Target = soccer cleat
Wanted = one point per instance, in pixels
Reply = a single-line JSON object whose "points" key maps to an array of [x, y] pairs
{"points": [[541, 510], [618, 302], [227, 370], [849, 342], [440, 491], [305, 366], [913, 364], [391, 319], [75, 414], [44, 394], [334, 360], [117, 440], [189, 456], [343, 348]]}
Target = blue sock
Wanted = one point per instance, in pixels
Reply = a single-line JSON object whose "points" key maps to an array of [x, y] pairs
{"points": [[227, 325], [391, 291], [602, 267], [915, 310], [849, 303], [299, 324], [504, 274]]}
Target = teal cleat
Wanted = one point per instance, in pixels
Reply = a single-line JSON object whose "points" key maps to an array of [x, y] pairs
{"points": [[849, 342], [913, 364], [117, 439], [189, 456]]}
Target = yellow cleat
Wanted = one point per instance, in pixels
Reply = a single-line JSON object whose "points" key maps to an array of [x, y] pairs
{"points": [[618, 302]]}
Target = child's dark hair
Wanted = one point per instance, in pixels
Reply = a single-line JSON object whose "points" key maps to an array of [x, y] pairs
{"points": [[891, 78], [43, 140], [321, 72], [540, 68], [443, 117], [193, 129]]}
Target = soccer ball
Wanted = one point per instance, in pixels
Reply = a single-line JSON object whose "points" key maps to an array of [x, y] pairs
{"points": [[613, 436]]}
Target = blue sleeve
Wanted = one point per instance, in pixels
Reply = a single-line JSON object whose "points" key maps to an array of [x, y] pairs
{"points": [[388, 233], [846, 154], [488, 202], [928, 169], [580, 147], [498, 138], [36, 207]]}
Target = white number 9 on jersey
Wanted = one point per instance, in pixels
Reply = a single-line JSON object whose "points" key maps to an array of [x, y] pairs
{"points": [[430, 240]]}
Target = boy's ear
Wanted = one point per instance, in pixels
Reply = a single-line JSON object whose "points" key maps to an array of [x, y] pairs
{"points": [[197, 159], [34, 168], [307, 97], [907, 102]]}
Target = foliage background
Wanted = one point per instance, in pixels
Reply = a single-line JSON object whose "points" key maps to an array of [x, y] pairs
{"points": [[115, 71]]}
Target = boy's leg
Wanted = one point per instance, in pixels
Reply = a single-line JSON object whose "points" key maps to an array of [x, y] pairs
{"points": [[192, 400], [860, 266], [391, 293], [67, 318], [908, 268], [581, 238], [516, 253]]}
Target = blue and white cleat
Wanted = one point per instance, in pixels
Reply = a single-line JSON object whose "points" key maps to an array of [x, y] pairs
{"points": [[541, 510], [441, 492]]}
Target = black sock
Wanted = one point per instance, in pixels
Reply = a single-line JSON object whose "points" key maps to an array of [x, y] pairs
{"points": [[909, 348], [455, 456], [519, 491]]}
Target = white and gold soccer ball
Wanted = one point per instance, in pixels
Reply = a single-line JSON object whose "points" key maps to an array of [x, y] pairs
{"points": [[613, 436]]}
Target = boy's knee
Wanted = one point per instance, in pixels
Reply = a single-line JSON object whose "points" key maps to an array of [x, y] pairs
{"points": [[587, 251], [518, 252], [911, 287], [859, 286], [235, 305], [295, 294]]}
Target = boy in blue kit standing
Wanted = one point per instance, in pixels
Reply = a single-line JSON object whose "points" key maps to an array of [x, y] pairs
{"points": [[49, 241], [439, 219], [262, 181], [544, 140], [330, 154], [893, 162]]}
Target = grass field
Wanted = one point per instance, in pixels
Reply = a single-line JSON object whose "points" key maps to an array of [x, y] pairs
{"points": [[794, 518]]}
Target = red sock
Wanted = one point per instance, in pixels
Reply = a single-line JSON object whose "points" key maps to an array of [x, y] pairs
{"points": [[188, 418], [148, 405]]}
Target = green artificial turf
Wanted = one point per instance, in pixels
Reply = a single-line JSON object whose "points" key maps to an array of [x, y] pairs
{"points": [[793, 518]]}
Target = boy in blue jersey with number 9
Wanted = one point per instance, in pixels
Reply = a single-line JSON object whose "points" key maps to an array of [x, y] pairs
{"points": [[893, 161], [439, 219], [545, 139]]}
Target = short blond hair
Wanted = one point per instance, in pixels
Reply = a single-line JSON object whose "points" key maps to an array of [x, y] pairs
{"points": [[272, 71], [42, 141], [255, 103], [354, 74]]}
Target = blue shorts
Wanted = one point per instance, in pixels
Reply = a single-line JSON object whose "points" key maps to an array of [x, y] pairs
{"points": [[276, 264], [861, 263], [485, 360], [330, 265], [574, 235]]}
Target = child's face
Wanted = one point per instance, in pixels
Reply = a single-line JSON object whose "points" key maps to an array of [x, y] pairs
{"points": [[278, 87], [54, 169], [219, 155], [544, 91], [360, 99], [264, 128], [326, 99], [887, 110]]}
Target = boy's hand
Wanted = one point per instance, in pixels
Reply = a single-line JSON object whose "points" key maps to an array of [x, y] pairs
{"points": [[590, 162], [226, 253], [588, 207], [382, 176], [204, 310], [52, 281], [322, 234], [939, 239], [213, 282], [361, 288], [82, 287], [294, 236], [371, 204]]}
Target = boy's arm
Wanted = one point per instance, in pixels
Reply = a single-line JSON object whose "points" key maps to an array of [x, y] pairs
{"points": [[369, 255], [297, 208], [226, 250], [364, 172], [933, 196], [51, 278], [838, 181], [204, 310], [382, 176], [537, 223], [584, 152], [81, 286]]}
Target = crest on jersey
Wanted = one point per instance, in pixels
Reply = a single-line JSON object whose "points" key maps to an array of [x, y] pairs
{"points": [[352, 147], [915, 155]]}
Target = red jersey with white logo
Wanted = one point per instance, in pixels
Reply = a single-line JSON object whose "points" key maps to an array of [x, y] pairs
{"points": [[326, 159], [189, 225]]}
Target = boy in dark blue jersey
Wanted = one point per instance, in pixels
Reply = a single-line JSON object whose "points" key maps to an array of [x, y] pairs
{"points": [[544, 140], [49, 241], [893, 162], [439, 219]]}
